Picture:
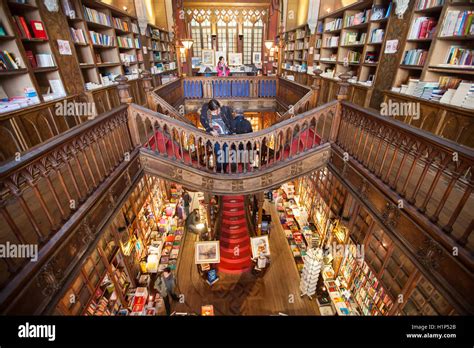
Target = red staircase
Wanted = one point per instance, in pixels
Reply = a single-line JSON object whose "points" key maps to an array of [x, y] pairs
{"points": [[234, 237]]}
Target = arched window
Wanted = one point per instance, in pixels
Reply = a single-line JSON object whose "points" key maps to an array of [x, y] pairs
{"points": [[253, 39], [227, 36]]}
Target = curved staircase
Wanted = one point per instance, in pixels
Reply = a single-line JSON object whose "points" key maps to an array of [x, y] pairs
{"points": [[234, 237]]}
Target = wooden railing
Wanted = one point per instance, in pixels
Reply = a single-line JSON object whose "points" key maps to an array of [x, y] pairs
{"points": [[23, 129], [293, 98], [229, 87], [429, 173], [185, 144], [447, 121], [47, 185], [171, 92]]}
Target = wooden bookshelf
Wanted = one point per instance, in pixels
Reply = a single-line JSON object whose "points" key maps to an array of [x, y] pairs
{"points": [[21, 43], [296, 53], [109, 44], [161, 57], [437, 45]]}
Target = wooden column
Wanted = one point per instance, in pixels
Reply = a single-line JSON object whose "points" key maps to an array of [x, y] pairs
{"points": [[316, 87], [281, 46], [180, 32], [342, 94], [207, 201], [148, 87], [123, 90]]}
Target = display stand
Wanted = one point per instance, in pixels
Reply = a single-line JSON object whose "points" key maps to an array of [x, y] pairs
{"points": [[311, 269]]}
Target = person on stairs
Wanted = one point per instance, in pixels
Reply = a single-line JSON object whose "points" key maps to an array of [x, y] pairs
{"points": [[165, 285]]}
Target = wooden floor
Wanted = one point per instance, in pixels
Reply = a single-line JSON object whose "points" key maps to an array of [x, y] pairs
{"points": [[275, 292]]}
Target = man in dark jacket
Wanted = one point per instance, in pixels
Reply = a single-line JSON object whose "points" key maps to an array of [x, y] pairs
{"points": [[241, 124], [217, 119]]}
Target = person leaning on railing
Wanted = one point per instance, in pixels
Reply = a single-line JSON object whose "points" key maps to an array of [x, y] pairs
{"points": [[217, 121]]}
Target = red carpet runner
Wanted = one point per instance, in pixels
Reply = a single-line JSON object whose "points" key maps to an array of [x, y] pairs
{"points": [[234, 237]]}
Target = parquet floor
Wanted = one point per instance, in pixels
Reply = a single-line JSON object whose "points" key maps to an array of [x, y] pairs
{"points": [[277, 291]]}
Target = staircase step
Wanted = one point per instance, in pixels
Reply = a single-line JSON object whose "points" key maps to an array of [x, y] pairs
{"points": [[232, 241], [234, 271], [235, 220], [244, 253]]}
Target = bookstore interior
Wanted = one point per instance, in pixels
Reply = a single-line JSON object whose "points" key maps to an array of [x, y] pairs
{"points": [[264, 157]]}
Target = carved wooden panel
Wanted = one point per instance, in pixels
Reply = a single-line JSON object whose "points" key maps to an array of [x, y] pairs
{"points": [[46, 278], [397, 29], [58, 29], [242, 183], [446, 273]]}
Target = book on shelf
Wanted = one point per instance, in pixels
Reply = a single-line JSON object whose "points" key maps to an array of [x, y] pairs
{"points": [[333, 25], [377, 12], [38, 30], [125, 42], [78, 35], [8, 61], [3, 31], [44, 60], [371, 57], [353, 38], [458, 23], [135, 28], [92, 15], [68, 8], [424, 4], [120, 24], [422, 28], [22, 27], [357, 18], [102, 39], [31, 58], [415, 57], [459, 56], [376, 36]]}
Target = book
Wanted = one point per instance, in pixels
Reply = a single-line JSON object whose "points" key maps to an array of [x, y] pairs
{"points": [[44, 60], [38, 30], [31, 59], [22, 27], [3, 31], [7, 61]]}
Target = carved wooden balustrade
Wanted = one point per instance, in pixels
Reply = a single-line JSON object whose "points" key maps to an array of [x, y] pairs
{"points": [[431, 174], [23, 129], [234, 156], [42, 190]]}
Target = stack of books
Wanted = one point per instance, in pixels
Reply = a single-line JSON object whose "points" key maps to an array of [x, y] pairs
{"points": [[353, 38], [333, 25], [120, 24], [7, 61], [125, 42], [332, 41], [376, 35], [422, 28], [460, 56], [458, 23], [102, 39], [95, 16], [353, 57], [424, 4], [371, 57], [356, 19], [44, 60], [78, 35]]}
